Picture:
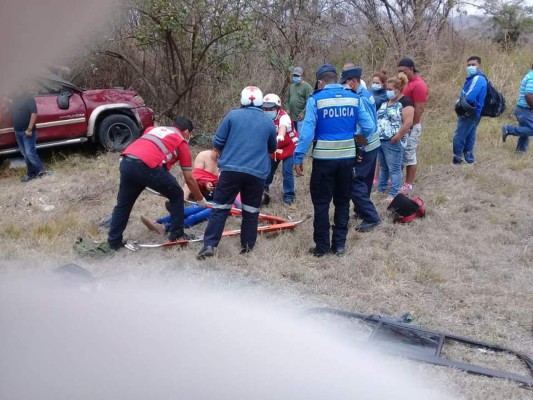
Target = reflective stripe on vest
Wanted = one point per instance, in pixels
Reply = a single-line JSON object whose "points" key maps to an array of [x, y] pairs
{"points": [[155, 140], [334, 149], [373, 142]]}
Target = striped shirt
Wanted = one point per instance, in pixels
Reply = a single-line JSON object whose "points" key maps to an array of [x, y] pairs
{"points": [[525, 88]]}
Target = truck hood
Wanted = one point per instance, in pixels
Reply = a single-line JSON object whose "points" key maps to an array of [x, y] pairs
{"points": [[110, 96]]}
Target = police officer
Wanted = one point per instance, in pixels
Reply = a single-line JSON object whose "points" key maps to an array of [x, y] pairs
{"points": [[331, 119], [365, 165], [146, 163]]}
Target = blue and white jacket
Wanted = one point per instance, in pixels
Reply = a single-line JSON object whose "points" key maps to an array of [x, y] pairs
{"points": [[475, 90]]}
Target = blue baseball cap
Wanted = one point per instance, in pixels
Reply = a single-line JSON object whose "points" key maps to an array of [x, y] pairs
{"points": [[351, 74], [325, 68]]}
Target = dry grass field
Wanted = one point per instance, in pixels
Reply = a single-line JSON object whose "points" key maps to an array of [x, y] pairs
{"points": [[465, 269]]}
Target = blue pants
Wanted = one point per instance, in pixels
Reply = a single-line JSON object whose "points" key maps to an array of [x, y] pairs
{"points": [[390, 156], [29, 152], [524, 129], [228, 187], [363, 177], [464, 139], [193, 216], [288, 178], [135, 176], [331, 179]]}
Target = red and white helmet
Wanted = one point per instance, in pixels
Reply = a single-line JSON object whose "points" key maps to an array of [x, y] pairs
{"points": [[251, 96], [271, 100]]}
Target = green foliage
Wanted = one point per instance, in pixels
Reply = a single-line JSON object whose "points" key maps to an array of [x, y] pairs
{"points": [[510, 20]]}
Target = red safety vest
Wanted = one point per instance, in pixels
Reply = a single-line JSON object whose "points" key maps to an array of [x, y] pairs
{"points": [[287, 145], [158, 146]]}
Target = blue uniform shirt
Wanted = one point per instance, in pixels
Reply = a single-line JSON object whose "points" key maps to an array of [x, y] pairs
{"points": [[336, 117]]}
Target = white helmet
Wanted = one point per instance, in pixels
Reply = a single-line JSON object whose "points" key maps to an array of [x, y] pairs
{"points": [[271, 100], [251, 96]]}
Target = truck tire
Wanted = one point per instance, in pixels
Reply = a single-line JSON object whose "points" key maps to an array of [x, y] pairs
{"points": [[116, 132]]}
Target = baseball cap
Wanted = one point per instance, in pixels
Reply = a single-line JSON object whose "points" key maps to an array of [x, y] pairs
{"points": [[350, 74], [325, 68], [297, 71], [407, 62]]}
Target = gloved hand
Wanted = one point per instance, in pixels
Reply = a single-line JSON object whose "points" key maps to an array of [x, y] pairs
{"points": [[202, 203], [280, 138]]}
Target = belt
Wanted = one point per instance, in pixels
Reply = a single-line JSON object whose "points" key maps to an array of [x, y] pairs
{"points": [[131, 158], [524, 108]]}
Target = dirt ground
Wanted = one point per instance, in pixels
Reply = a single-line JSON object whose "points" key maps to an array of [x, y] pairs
{"points": [[465, 269]]}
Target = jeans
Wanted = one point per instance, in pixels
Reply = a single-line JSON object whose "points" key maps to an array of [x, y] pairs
{"points": [[390, 166], [363, 176], [524, 129], [135, 176], [288, 178], [193, 215], [229, 185], [331, 179], [29, 151], [464, 139]]}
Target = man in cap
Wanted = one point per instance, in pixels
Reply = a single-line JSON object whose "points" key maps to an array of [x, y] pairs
{"points": [[244, 139], [365, 165], [416, 91], [331, 120], [147, 163], [299, 92]]}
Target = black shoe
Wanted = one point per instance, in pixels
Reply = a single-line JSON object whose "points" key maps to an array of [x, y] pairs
{"points": [[338, 251], [366, 226], [245, 250], [184, 236], [505, 133], [41, 174], [315, 253], [116, 246], [27, 178], [207, 251]]}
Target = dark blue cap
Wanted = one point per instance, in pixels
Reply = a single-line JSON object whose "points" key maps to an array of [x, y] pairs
{"points": [[351, 74], [325, 68]]}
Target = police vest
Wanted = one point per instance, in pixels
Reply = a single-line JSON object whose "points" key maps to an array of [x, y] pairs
{"points": [[370, 103], [336, 123], [164, 149]]}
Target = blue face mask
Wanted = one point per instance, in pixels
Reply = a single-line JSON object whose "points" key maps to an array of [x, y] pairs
{"points": [[391, 94], [376, 86], [296, 79], [271, 114], [471, 70]]}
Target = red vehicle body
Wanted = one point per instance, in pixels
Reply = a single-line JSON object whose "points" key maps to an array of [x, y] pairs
{"points": [[67, 114]]}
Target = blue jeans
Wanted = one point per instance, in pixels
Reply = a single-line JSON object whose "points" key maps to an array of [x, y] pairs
{"points": [[331, 179], [464, 139], [29, 152], [524, 129], [288, 178], [390, 158], [363, 178]]}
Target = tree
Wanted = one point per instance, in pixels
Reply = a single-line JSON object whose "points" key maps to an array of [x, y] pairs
{"points": [[510, 20]]}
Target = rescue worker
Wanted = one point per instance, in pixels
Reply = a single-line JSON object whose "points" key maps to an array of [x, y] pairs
{"points": [[331, 120], [147, 163], [365, 165], [287, 138], [244, 138]]}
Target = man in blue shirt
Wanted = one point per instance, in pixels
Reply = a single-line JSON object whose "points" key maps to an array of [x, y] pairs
{"points": [[331, 119], [365, 164], [474, 92], [523, 115], [244, 139]]}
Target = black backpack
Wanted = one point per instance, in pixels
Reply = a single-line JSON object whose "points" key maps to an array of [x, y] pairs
{"points": [[494, 105]]}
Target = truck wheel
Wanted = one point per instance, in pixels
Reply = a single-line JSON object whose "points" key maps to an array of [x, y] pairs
{"points": [[116, 132]]}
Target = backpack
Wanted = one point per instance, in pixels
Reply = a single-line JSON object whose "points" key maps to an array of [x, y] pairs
{"points": [[405, 210], [494, 105]]}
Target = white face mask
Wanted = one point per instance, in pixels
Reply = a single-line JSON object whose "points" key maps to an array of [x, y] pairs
{"points": [[391, 94], [346, 86], [376, 86]]}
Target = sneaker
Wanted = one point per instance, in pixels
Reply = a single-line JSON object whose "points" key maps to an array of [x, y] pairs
{"points": [[26, 178], [338, 251], [366, 226], [315, 253], [184, 236], [375, 181], [41, 174], [207, 251], [406, 189], [505, 133], [115, 246]]}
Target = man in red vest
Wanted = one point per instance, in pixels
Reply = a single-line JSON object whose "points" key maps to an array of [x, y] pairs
{"points": [[146, 163]]}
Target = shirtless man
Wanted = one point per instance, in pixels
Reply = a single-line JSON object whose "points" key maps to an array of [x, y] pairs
{"points": [[205, 171]]}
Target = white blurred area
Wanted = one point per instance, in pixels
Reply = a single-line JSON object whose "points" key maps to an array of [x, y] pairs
{"points": [[173, 340], [36, 34]]}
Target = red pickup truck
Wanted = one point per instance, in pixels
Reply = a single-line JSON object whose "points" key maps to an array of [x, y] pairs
{"points": [[67, 114]]}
